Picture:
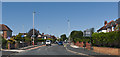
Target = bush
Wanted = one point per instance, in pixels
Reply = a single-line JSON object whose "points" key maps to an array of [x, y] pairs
{"points": [[4, 41], [83, 39], [109, 39]]}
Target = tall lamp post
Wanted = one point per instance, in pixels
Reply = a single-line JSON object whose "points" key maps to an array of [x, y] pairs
{"points": [[33, 28], [68, 30]]}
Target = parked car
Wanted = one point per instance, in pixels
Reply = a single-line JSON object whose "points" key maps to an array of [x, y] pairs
{"points": [[60, 43], [48, 42], [56, 42]]}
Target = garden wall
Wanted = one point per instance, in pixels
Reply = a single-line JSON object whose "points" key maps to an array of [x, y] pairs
{"points": [[106, 50]]}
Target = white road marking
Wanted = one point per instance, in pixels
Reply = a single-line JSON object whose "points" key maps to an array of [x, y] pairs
{"points": [[78, 53], [15, 50]]}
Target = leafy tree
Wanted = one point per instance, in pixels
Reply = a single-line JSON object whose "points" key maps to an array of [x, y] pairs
{"points": [[63, 37], [30, 33], [76, 34], [18, 37]]}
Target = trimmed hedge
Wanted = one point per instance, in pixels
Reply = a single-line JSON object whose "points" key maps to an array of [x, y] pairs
{"points": [[109, 39], [83, 39]]}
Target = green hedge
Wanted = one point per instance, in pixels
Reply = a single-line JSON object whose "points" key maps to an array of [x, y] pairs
{"points": [[109, 39], [83, 39]]}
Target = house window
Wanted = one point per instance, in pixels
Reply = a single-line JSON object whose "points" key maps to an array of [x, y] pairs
{"points": [[108, 30], [112, 28]]}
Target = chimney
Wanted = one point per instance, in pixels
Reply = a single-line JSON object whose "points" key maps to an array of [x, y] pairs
{"points": [[42, 33], [105, 22]]}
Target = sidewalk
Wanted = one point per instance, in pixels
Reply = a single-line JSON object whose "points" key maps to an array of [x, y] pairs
{"points": [[20, 49], [81, 50]]}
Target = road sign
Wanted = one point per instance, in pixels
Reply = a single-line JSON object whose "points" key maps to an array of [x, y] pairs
{"points": [[33, 36], [88, 32]]}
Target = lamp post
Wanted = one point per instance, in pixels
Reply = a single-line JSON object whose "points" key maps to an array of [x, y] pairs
{"points": [[68, 30], [33, 27]]}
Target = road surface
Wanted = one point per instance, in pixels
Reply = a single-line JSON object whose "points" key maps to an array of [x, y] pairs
{"points": [[47, 50]]}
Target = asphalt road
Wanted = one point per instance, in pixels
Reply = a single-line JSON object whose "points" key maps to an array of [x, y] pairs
{"points": [[47, 50]]}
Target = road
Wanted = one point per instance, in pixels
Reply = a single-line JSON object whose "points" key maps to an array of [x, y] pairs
{"points": [[51, 51], [47, 50]]}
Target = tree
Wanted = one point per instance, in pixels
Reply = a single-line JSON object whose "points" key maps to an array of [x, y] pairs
{"points": [[63, 37], [18, 37], [76, 34], [30, 33]]}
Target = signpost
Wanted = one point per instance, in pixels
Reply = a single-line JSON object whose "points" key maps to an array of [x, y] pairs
{"points": [[33, 36], [88, 33]]}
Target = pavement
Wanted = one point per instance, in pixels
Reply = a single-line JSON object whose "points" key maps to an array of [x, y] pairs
{"points": [[12, 51], [81, 51]]}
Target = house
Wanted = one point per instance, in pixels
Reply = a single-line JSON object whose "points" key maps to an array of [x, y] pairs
{"points": [[110, 26], [5, 31]]}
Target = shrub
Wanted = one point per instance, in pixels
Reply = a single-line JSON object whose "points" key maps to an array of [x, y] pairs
{"points": [[109, 39]]}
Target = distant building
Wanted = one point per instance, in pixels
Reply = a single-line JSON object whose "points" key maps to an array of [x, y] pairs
{"points": [[5, 31], [111, 26]]}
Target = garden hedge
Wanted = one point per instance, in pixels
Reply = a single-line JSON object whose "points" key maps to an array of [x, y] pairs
{"points": [[109, 39]]}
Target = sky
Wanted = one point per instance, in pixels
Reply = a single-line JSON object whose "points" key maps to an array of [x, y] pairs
{"points": [[51, 17]]}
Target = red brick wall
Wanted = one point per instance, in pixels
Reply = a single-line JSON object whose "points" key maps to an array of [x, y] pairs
{"points": [[88, 46], [5, 34], [106, 50], [79, 44]]}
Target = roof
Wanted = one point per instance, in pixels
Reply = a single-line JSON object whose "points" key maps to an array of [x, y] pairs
{"points": [[107, 26], [4, 28], [102, 28], [118, 21]]}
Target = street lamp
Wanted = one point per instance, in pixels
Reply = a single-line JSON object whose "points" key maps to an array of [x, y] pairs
{"points": [[68, 30], [33, 28]]}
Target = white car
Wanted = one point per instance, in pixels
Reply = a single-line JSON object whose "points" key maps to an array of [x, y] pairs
{"points": [[48, 42]]}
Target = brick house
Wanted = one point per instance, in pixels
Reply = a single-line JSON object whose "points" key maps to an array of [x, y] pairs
{"points": [[110, 26], [5, 31]]}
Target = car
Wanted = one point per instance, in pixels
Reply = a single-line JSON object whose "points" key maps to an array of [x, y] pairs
{"points": [[60, 43], [56, 42], [48, 42]]}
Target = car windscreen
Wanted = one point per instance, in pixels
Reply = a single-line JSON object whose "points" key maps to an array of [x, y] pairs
{"points": [[47, 41]]}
